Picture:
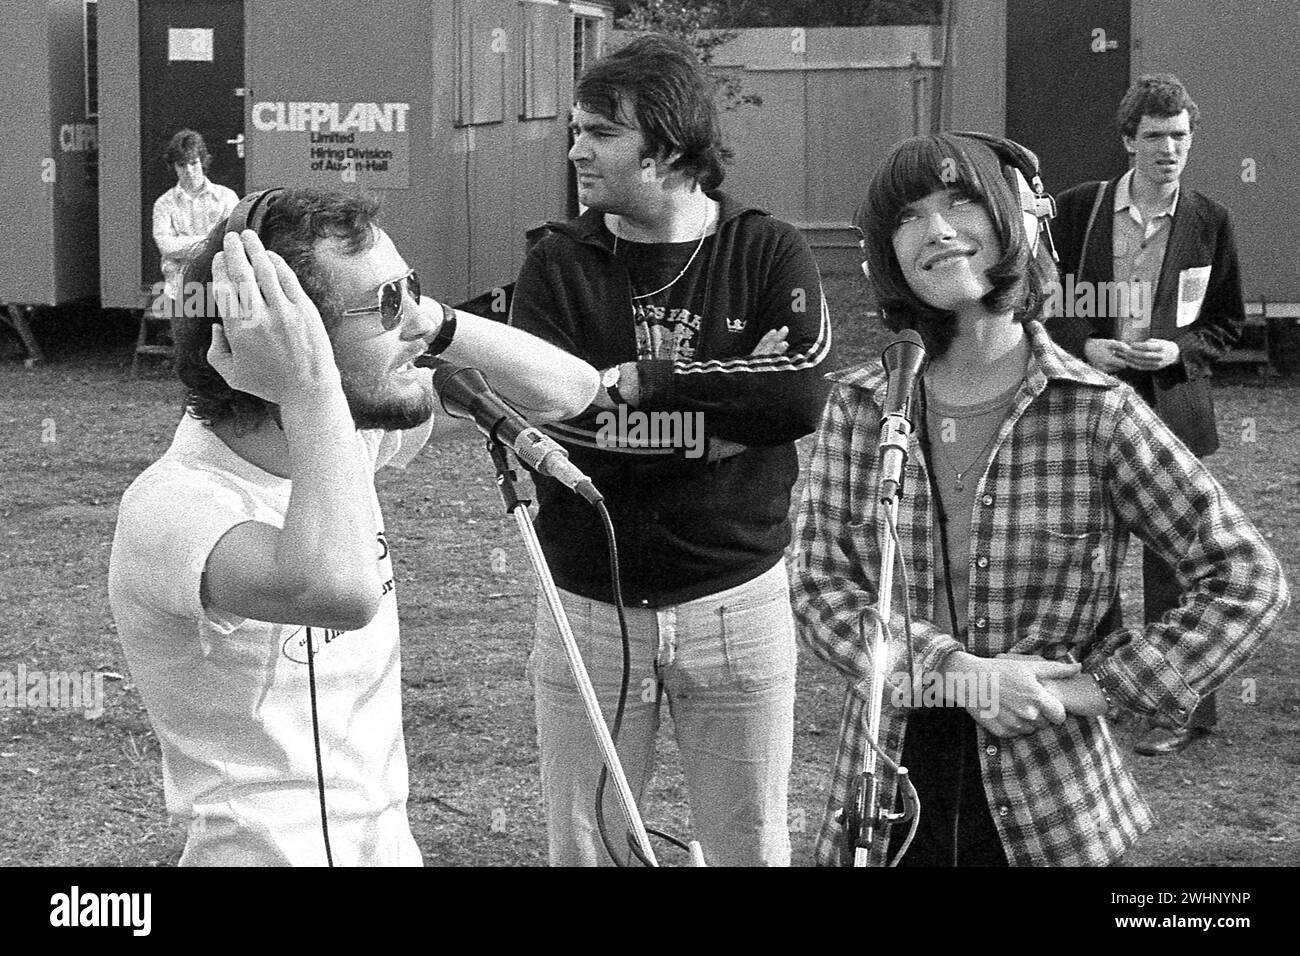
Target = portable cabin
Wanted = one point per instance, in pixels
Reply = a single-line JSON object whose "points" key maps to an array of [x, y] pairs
{"points": [[1047, 74], [834, 100], [1052, 75], [49, 164], [453, 112]]}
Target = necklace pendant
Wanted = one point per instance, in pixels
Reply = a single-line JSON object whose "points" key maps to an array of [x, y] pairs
{"points": [[959, 485]]}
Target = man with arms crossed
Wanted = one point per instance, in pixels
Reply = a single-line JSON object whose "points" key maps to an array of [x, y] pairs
{"points": [[704, 313], [1175, 248], [250, 577]]}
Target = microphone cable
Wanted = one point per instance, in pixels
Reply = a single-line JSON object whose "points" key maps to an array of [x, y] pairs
{"points": [[315, 736], [941, 517], [904, 778], [625, 679], [900, 773], [617, 584]]}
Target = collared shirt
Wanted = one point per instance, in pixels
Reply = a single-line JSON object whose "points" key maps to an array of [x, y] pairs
{"points": [[180, 220], [1079, 463], [1138, 251]]}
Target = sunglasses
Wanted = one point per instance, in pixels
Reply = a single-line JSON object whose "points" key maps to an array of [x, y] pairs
{"points": [[390, 300]]}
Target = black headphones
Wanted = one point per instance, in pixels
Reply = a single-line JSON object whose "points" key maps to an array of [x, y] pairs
{"points": [[1020, 163], [251, 211]]}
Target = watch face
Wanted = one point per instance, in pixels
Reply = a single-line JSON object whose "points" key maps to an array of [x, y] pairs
{"points": [[609, 377]]}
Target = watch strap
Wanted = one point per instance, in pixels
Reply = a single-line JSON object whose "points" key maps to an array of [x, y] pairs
{"points": [[446, 331], [612, 391]]}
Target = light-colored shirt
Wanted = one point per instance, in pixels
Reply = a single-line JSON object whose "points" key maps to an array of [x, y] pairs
{"points": [[1138, 250], [230, 698], [181, 220]]}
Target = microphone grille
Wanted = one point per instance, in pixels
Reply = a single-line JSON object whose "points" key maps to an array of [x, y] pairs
{"points": [[904, 339]]}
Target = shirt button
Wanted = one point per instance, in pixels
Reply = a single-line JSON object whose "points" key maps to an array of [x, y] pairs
{"points": [[987, 499], [981, 622], [1003, 810], [991, 750], [920, 564], [982, 562]]}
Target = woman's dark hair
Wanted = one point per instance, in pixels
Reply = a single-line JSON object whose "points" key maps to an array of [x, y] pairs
{"points": [[672, 98], [299, 219], [1154, 94], [185, 146], [914, 169]]}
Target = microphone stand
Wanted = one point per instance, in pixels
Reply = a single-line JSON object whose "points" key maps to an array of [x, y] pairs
{"points": [[519, 508], [863, 813]]}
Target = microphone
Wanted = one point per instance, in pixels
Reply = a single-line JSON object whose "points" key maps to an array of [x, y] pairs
{"points": [[903, 360], [465, 393]]}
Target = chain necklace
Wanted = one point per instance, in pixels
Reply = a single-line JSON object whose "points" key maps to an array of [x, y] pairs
{"points": [[704, 231], [959, 474], [960, 483]]}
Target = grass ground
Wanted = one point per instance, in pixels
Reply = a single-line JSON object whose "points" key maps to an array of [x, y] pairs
{"points": [[76, 791]]}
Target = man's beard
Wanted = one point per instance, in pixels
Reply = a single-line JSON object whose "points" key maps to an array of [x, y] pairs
{"points": [[389, 413]]}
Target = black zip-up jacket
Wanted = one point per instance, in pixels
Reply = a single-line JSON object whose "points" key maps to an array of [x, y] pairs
{"points": [[686, 527]]}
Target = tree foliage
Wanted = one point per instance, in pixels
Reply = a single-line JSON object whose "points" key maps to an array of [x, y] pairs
{"points": [[697, 24], [707, 24]]}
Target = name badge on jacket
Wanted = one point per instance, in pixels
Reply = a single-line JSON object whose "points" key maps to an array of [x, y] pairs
{"points": [[1192, 284]]}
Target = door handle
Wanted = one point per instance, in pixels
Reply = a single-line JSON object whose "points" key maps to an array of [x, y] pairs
{"points": [[238, 143]]}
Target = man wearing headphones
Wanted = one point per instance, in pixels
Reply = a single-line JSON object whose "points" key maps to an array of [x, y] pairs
{"points": [[1173, 249], [706, 313], [250, 578]]}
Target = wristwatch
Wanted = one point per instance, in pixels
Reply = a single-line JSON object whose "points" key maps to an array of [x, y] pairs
{"points": [[446, 331], [609, 379], [1112, 709]]}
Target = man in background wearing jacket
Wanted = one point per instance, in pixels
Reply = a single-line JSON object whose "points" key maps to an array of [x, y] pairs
{"points": [[1172, 249]]}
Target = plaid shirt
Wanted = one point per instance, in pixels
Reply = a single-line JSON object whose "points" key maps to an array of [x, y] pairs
{"points": [[1079, 463]]}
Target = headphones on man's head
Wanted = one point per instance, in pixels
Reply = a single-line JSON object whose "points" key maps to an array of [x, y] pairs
{"points": [[1021, 170], [252, 209], [249, 213]]}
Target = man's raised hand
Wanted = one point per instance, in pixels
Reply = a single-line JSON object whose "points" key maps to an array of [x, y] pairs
{"points": [[272, 344]]}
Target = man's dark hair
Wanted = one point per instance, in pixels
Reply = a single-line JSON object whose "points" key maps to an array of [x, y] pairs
{"points": [[184, 147], [1155, 94], [299, 219], [913, 170], [672, 99]]}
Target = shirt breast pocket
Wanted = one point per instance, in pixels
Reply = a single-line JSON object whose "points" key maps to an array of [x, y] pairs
{"points": [[1068, 574]]}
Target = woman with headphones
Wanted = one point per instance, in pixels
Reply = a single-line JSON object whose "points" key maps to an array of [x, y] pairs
{"points": [[1027, 472]]}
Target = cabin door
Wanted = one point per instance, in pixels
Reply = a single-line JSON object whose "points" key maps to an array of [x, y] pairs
{"points": [[1067, 69], [191, 75]]}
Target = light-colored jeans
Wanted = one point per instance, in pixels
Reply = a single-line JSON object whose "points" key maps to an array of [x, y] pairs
{"points": [[727, 664]]}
